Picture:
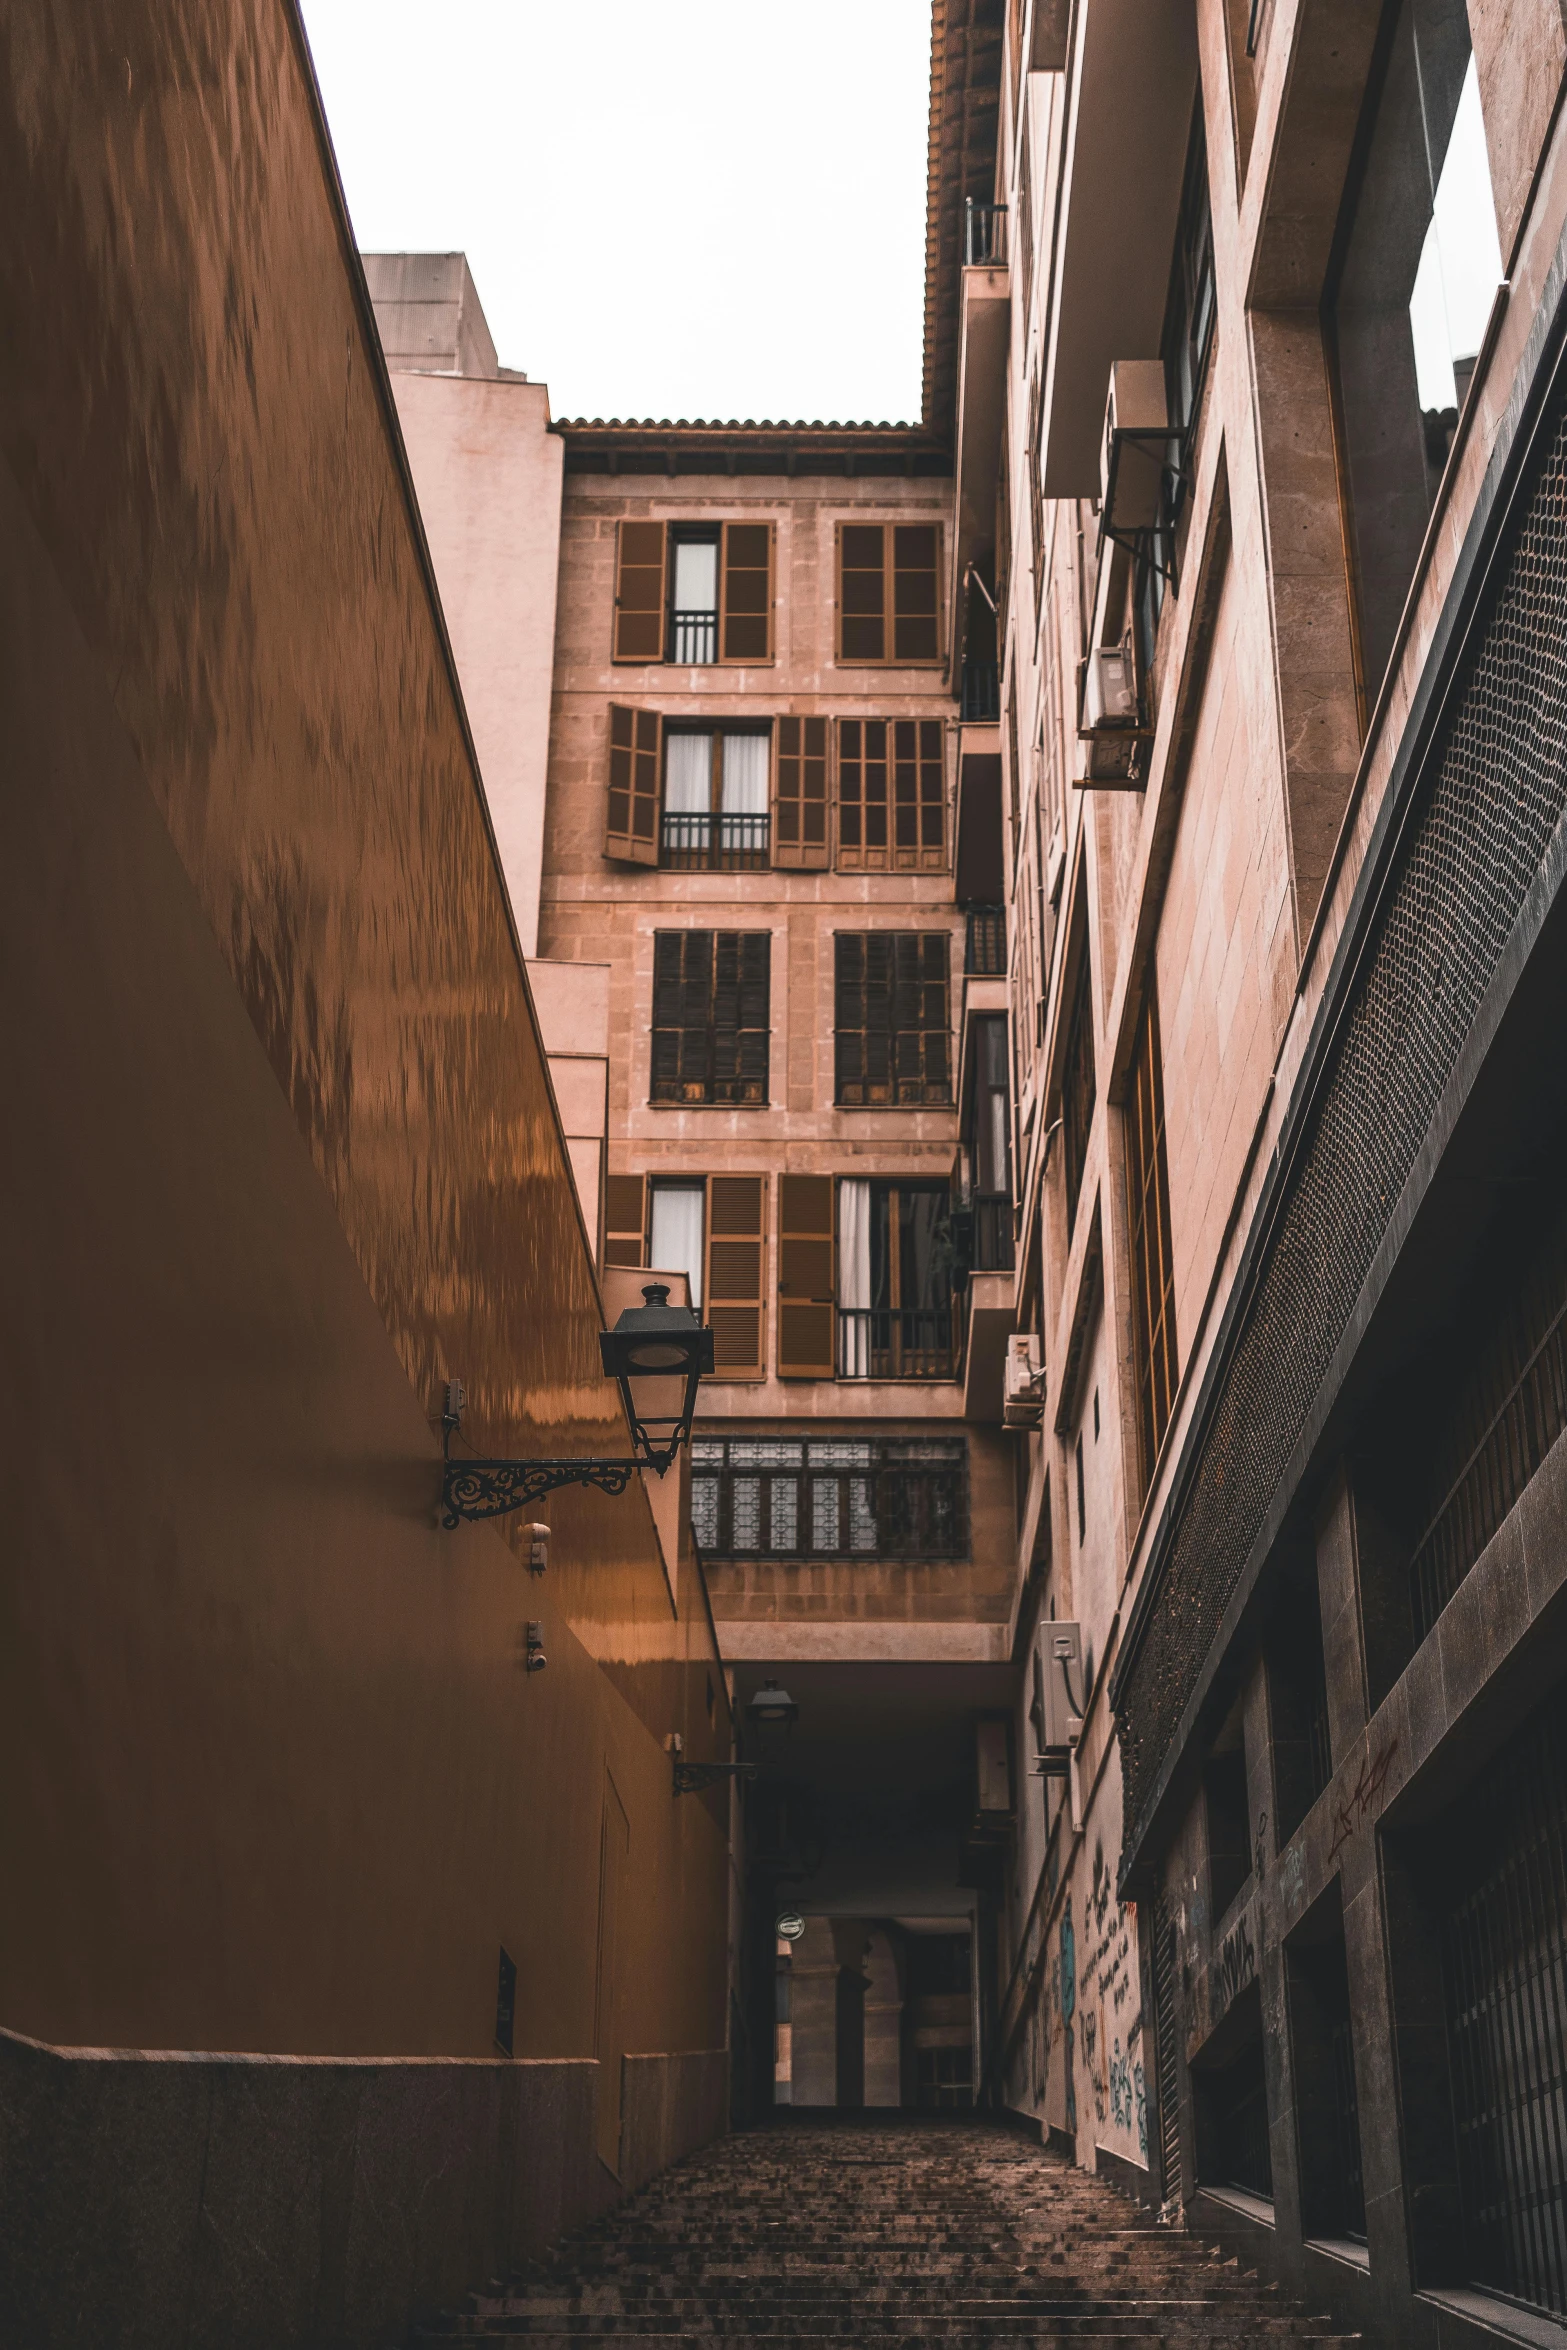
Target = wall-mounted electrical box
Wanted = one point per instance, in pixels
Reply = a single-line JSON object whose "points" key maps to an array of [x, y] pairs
{"points": [[1022, 1382]]}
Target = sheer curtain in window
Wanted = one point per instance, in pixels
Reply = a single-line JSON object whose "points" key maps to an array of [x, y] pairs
{"points": [[688, 774], [745, 774], [675, 1244], [854, 1277]]}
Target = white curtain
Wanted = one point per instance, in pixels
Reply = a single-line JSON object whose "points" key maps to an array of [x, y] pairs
{"points": [[696, 579], [675, 1245], [854, 1275], [688, 774], [745, 774]]}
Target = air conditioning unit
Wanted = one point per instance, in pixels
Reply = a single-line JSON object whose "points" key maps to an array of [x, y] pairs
{"points": [[1109, 689], [1061, 1673], [1022, 1383], [1135, 448]]}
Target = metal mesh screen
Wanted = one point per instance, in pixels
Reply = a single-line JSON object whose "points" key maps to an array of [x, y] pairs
{"points": [[1500, 786]]}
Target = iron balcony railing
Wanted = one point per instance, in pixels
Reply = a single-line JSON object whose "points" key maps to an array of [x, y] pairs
{"points": [[984, 234], [714, 844], [694, 638], [985, 943], [895, 1342], [979, 693]]}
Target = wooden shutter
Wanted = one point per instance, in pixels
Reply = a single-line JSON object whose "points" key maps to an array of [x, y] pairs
{"points": [[625, 1218], [862, 794], [746, 592], [806, 1296], [636, 757], [916, 591], [639, 592], [682, 1015], [919, 795], [862, 591], [736, 1261], [800, 796]]}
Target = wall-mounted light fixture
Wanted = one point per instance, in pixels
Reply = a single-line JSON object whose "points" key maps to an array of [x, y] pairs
{"points": [[772, 1705], [656, 1354]]}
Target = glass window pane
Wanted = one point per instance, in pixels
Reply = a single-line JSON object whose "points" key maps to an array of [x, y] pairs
{"points": [[696, 579]]}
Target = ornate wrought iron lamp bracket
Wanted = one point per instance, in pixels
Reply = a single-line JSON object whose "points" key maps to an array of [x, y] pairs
{"points": [[493, 1489]]}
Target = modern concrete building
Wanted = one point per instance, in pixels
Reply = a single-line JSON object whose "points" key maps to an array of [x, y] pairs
{"points": [[1273, 528]]}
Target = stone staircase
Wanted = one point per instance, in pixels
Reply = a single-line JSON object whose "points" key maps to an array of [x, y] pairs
{"points": [[897, 2232]]}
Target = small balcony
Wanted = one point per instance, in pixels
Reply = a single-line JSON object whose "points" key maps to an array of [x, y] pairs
{"points": [[693, 639], [714, 844], [895, 1342], [984, 235], [979, 693], [985, 943]]}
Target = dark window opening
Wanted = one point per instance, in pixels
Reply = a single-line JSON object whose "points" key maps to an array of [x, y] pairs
{"points": [[1415, 274], [892, 1018], [846, 1497], [1155, 1358], [1298, 1700], [1082, 1506], [710, 1015], [1229, 1819], [1231, 2097], [1078, 1085], [944, 2079], [1501, 1871], [1191, 308], [1327, 2106], [895, 1276]]}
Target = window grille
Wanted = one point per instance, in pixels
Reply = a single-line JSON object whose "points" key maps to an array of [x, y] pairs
{"points": [[1349, 2184], [819, 1497], [893, 1045], [710, 1015], [696, 842], [1165, 2029], [1155, 1358], [1505, 1967], [944, 2079], [1078, 1086], [1494, 792]]}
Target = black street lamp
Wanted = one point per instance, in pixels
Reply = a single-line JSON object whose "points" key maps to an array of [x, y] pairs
{"points": [[772, 1705], [656, 1354]]}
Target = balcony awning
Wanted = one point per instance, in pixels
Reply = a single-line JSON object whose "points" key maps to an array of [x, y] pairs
{"points": [[1133, 78]]}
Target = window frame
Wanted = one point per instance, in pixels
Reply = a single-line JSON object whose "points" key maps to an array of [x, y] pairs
{"points": [[755, 859], [657, 1028], [895, 1461], [927, 1097], [696, 530], [889, 657]]}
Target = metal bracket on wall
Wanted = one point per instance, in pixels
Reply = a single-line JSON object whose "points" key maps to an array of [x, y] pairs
{"points": [[691, 1778], [493, 1489]]}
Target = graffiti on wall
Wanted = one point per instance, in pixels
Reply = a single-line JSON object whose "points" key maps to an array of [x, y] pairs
{"points": [[1235, 1968], [1358, 1804]]}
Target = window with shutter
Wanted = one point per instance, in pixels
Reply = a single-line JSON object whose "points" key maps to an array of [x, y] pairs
{"points": [[889, 592], [1154, 1351], [891, 795], [639, 592], [631, 802], [800, 793], [625, 1219], [736, 1258], [892, 1042], [806, 1295], [747, 592], [711, 1029]]}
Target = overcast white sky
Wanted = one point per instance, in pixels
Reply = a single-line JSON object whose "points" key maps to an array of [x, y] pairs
{"points": [[671, 207]]}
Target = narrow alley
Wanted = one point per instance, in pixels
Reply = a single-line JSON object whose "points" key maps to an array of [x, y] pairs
{"points": [[903, 2232]]}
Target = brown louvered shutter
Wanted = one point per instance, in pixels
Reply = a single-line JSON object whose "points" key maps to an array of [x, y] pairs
{"points": [[805, 1277], [916, 591], [682, 1014], [639, 592], [746, 593], [862, 592], [736, 1260], [625, 1218], [631, 807], [800, 795], [742, 973], [919, 795]]}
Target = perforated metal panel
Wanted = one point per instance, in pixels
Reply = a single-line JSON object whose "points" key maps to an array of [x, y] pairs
{"points": [[1499, 789]]}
